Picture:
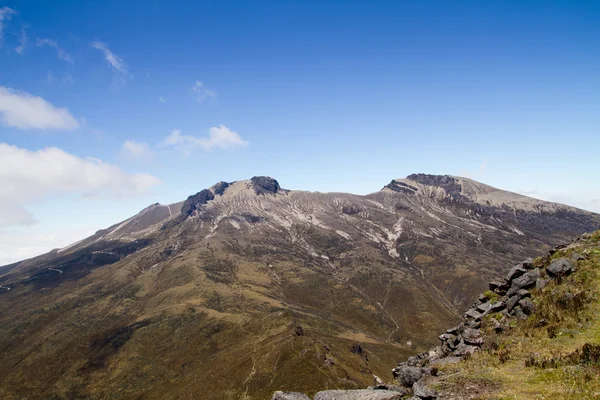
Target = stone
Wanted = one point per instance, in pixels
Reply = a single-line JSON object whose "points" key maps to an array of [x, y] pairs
{"points": [[519, 314], [499, 287], [455, 330], [463, 349], [523, 293], [484, 307], [289, 396], [408, 375], [219, 188], [497, 306], [472, 337], [527, 306], [473, 314], [422, 391], [528, 264], [515, 272], [512, 302], [360, 394], [523, 282], [560, 266], [577, 257]]}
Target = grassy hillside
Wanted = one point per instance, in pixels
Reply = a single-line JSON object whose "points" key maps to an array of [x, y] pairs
{"points": [[553, 354]]}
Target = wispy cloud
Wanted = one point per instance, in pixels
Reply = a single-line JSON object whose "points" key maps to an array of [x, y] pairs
{"points": [[52, 79], [135, 150], [115, 61], [22, 40], [219, 137], [201, 92], [162, 100], [60, 52], [25, 111], [6, 14]]}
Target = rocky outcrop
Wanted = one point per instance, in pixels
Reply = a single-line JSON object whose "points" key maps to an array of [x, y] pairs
{"points": [[289, 396], [265, 185], [508, 298]]}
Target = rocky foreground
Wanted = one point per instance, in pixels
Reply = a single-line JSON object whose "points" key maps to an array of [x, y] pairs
{"points": [[509, 302]]}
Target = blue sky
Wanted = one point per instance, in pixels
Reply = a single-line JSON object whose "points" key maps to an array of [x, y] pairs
{"points": [[327, 96]]}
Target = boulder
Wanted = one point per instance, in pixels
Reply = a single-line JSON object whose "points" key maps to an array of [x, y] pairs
{"points": [[560, 266], [408, 375], [524, 282], [289, 396], [528, 264], [527, 306], [473, 314], [512, 302], [361, 394], [499, 287], [463, 349], [422, 391], [472, 337], [515, 272]]}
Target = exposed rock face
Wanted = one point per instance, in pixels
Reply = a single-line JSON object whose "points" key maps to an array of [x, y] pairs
{"points": [[219, 188], [194, 202], [265, 185]]}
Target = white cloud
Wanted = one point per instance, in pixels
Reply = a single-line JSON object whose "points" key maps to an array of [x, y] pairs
{"points": [[219, 137], [135, 150], [201, 92], [27, 176], [115, 61], [25, 111], [60, 52], [22, 40], [5, 15]]}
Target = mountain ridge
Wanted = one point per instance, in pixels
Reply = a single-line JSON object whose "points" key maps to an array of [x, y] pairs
{"points": [[275, 279]]}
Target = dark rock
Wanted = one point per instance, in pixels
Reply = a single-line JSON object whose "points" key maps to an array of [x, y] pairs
{"points": [[220, 187], [523, 282], [455, 330], [499, 287], [289, 396], [482, 298], [361, 394], [542, 322], [557, 248], [515, 272], [512, 302], [422, 391], [265, 185], [527, 306], [351, 209], [357, 349], [394, 388], [299, 331], [195, 201], [523, 293], [401, 187], [498, 327], [528, 264], [560, 266], [408, 375], [497, 306]]}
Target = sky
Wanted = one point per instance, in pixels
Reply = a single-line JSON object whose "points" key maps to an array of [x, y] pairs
{"points": [[109, 106]]}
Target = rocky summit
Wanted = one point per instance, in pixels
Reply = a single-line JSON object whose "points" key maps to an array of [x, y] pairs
{"points": [[246, 289]]}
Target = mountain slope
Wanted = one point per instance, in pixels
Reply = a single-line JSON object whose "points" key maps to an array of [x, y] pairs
{"points": [[246, 287]]}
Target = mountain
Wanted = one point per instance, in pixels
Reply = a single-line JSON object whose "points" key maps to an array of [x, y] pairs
{"points": [[534, 334], [245, 288]]}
